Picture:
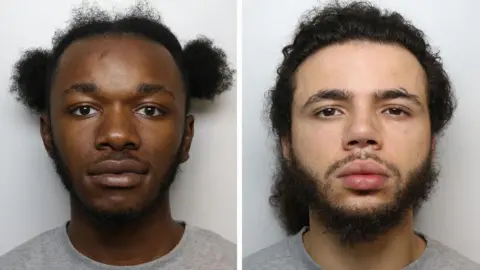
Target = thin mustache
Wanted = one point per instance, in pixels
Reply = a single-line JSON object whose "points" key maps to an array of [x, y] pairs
{"points": [[358, 156], [119, 156]]}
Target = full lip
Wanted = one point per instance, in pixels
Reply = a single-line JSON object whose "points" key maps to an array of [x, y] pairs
{"points": [[117, 167], [363, 168]]}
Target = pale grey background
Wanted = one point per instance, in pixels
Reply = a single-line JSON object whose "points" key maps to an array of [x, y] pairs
{"points": [[32, 198], [452, 215]]}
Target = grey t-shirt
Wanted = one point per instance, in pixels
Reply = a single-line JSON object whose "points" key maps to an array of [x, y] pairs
{"points": [[52, 250], [290, 254]]}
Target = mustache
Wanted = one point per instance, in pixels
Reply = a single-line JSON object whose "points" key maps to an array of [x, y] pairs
{"points": [[119, 156], [361, 156]]}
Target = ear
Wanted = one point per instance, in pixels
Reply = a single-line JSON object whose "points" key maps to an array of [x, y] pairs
{"points": [[187, 137], [46, 133], [286, 146]]}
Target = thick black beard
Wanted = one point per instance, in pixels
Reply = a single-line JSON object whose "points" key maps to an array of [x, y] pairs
{"points": [[350, 226], [117, 218]]}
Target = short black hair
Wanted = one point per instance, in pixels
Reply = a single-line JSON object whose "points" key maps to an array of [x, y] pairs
{"points": [[338, 23], [204, 68]]}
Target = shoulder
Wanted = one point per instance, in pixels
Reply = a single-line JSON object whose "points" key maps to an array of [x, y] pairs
{"points": [[212, 247], [440, 256], [32, 253], [277, 256]]}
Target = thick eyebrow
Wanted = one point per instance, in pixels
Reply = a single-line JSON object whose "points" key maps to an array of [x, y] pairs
{"points": [[328, 94], [85, 88], [146, 88], [395, 93]]}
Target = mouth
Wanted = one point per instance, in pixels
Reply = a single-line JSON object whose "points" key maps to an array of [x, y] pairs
{"points": [[120, 174], [364, 177], [124, 180], [364, 182]]}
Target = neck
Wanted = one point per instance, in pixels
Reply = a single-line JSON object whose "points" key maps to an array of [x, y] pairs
{"points": [[147, 238], [393, 250]]}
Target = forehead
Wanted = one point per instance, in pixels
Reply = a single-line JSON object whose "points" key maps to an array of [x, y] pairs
{"points": [[362, 68], [117, 62]]}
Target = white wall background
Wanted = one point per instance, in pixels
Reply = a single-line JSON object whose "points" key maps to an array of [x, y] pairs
{"points": [[32, 198], [452, 215]]}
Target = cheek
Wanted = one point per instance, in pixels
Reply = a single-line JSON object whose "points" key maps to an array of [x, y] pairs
{"points": [[75, 144], [408, 145], [160, 140], [316, 144]]}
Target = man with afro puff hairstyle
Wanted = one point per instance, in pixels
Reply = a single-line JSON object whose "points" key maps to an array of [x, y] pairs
{"points": [[358, 104], [113, 95]]}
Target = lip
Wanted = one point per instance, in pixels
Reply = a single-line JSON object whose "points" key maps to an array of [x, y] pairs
{"points": [[125, 166], [363, 168], [125, 173], [363, 176], [123, 180]]}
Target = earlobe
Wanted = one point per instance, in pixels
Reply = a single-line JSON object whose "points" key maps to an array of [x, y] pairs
{"points": [[434, 143], [187, 137], [46, 134]]}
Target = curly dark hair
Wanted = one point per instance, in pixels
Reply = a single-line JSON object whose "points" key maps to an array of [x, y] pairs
{"points": [[334, 24], [203, 66]]}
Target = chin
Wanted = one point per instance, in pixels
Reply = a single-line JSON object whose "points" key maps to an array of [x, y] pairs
{"points": [[364, 204], [114, 208], [118, 206], [123, 206], [116, 213]]}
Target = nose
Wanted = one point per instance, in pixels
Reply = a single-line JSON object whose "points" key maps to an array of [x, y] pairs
{"points": [[117, 131], [362, 131]]}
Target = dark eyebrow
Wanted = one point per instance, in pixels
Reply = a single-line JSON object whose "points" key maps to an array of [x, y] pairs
{"points": [[81, 88], [147, 88], [329, 94], [402, 93], [88, 88]]}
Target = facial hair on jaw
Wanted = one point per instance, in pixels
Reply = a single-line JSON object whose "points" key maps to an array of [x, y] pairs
{"points": [[360, 226], [111, 218]]}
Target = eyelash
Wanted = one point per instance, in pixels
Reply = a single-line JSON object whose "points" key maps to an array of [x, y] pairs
{"points": [[318, 113], [78, 108], [401, 110], [159, 111]]}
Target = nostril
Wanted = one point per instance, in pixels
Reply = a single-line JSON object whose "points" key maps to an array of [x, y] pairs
{"points": [[131, 146], [371, 142], [351, 143], [363, 142]]}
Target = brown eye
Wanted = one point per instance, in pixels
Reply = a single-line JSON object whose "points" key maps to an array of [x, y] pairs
{"points": [[84, 111], [328, 112], [396, 112], [150, 111]]}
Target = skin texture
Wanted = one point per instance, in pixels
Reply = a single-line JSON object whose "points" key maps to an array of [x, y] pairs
{"points": [[326, 132], [117, 121]]}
